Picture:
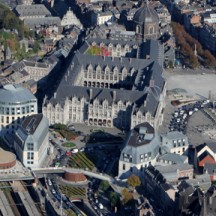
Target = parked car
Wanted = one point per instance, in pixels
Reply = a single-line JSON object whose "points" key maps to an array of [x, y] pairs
{"points": [[100, 206], [75, 150]]}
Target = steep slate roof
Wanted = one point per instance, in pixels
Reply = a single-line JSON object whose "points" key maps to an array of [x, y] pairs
{"points": [[210, 168], [174, 158], [144, 96], [146, 14], [34, 129], [32, 23], [32, 10], [211, 145], [149, 143], [175, 135]]}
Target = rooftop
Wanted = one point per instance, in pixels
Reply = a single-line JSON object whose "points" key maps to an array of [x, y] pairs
{"points": [[15, 94], [6, 156], [31, 123]]}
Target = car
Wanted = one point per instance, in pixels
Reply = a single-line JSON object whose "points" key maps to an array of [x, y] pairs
{"points": [[53, 191], [81, 150], [68, 153], [49, 182], [100, 206], [75, 150]]}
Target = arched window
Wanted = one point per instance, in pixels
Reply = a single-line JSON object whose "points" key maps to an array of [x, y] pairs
{"points": [[151, 30], [138, 29]]}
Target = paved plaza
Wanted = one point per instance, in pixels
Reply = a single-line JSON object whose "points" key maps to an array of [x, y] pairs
{"points": [[193, 83]]}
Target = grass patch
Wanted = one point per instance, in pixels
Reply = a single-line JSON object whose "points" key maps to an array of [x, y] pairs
{"points": [[98, 51], [70, 212], [68, 134], [80, 160], [68, 145], [5, 187], [73, 192]]}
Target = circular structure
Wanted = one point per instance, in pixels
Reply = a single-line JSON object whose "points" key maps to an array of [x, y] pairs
{"points": [[74, 177], [16, 102], [146, 23], [7, 159]]}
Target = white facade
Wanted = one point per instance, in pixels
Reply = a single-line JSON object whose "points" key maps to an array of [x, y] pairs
{"points": [[102, 18], [31, 141], [70, 19], [12, 110]]}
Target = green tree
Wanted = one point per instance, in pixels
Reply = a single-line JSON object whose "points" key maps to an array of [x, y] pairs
{"points": [[134, 181], [60, 126], [104, 185], [126, 196], [114, 199], [36, 47]]}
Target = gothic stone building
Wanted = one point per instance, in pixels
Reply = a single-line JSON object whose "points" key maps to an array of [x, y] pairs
{"points": [[109, 91]]}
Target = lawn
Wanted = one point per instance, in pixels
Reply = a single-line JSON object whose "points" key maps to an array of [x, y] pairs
{"points": [[70, 212], [69, 135], [73, 192], [68, 145], [81, 160], [5, 186], [99, 51]]}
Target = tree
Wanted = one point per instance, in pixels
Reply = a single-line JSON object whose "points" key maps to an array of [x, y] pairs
{"points": [[134, 181], [114, 199], [104, 185], [126, 196]]}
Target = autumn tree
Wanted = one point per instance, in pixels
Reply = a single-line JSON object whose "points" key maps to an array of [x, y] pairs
{"points": [[126, 196], [134, 181]]}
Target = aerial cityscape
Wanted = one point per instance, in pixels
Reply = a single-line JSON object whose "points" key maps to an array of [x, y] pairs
{"points": [[107, 108]]}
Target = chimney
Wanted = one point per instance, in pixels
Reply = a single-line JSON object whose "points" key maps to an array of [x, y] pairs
{"points": [[90, 93], [55, 95], [114, 95]]}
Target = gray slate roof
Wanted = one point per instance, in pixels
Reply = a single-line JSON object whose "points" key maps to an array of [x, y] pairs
{"points": [[33, 129], [32, 23], [15, 94], [137, 95], [175, 135], [32, 10], [149, 144], [174, 158]]}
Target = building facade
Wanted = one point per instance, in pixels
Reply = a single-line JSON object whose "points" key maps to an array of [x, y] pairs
{"points": [[70, 19], [109, 91], [141, 149], [31, 141], [176, 142], [16, 103]]}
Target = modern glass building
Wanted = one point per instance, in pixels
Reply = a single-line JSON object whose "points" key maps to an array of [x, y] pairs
{"points": [[16, 102]]}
